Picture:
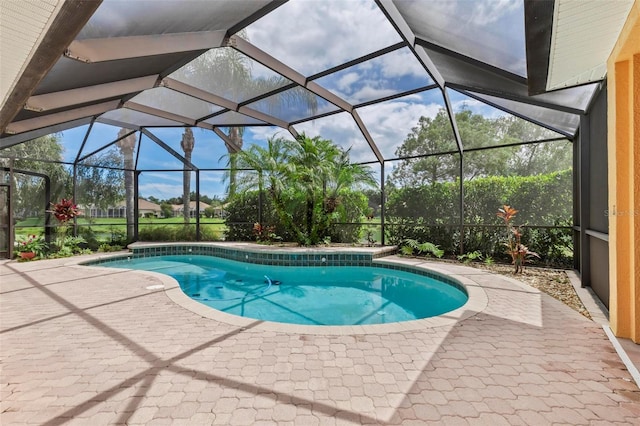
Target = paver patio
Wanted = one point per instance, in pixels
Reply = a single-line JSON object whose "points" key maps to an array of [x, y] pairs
{"points": [[83, 346]]}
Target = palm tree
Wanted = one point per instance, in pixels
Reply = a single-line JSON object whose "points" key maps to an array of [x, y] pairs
{"points": [[228, 73], [127, 147], [235, 135], [309, 175], [271, 169], [312, 159], [187, 144]]}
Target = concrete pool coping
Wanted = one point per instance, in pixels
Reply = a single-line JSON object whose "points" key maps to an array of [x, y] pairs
{"points": [[476, 303]]}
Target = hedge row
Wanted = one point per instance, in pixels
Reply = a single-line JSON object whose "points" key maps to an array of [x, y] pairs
{"points": [[432, 213], [542, 200]]}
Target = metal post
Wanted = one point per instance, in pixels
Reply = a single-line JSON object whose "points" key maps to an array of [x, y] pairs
{"points": [[75, 196], [260, 206], [136, 213], [198, 238], [47, 214], [461, 203], [12, 230], [584, 172], [382, 202]]}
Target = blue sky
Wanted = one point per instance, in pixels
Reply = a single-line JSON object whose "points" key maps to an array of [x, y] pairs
{"points": [[388, 123], [312, 36]]}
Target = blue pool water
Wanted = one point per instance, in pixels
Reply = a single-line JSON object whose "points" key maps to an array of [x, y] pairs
{"points": [[331, 295]]}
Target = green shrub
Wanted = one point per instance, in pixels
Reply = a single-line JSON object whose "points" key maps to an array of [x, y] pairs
{"points": [[410, 246], [106, 248], [90, 237], [430, 213], [470, 257], [178, 233]]}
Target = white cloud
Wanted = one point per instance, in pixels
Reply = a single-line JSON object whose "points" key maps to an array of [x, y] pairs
{"points": [[167, 177], [160, 190], [401, 64], [390, 122], [343, 131], [487, 12], [260, 134], [149, 161], [368, 93], [314, 35], [345, 82]]}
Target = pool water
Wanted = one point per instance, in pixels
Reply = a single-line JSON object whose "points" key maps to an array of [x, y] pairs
{"points": [[331, 295]]}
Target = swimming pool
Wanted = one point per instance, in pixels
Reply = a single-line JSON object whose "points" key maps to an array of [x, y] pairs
{"points": [[309, 295]]}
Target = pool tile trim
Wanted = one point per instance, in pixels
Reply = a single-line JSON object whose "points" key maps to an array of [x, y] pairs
{"points": [[476, 303]]}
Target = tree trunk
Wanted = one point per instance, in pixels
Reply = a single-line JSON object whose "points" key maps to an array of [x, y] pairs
{"points": [[187, 144], [129, 192], [127, 147], [186, 189], [236, 137]]}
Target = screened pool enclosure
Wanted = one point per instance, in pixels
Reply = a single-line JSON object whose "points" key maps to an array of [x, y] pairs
{"points": [[445, 103]]}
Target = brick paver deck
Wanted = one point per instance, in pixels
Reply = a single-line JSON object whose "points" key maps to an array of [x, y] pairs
{"points": [[83, 346]]}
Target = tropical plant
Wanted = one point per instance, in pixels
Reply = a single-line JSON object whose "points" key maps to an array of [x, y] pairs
{"points": [[228, 73], [308, 181], [410, 246], [265, 234], [74, 244], [519, 252], [64, 210], [106, 248], [470, 257], [31, 243]]}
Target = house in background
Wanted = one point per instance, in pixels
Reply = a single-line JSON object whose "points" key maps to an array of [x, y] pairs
{"points": [[148, 209], [178, 209], [145, 209]]}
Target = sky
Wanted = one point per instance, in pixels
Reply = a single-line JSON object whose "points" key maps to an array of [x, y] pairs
{"points": [[312, 36]]}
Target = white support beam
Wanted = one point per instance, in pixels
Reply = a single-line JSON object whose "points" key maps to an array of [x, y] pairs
{"points": [[102, 148], [324, 93], [452, 120], [61, 117], [114, 48], [83, 95], [267, 60], [167, 148], [159, 113], [293, 132], [223, 102], [203, 95], [117, 123], [8, 141], [367, 136], [226, 140], [250, 112]]}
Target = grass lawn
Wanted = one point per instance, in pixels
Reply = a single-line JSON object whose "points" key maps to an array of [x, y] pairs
{"points": [[105, 226]]}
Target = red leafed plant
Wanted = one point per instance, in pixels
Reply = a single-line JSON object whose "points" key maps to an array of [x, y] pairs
{"points": [[264, 234], [65, 210], [519, 252]]}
